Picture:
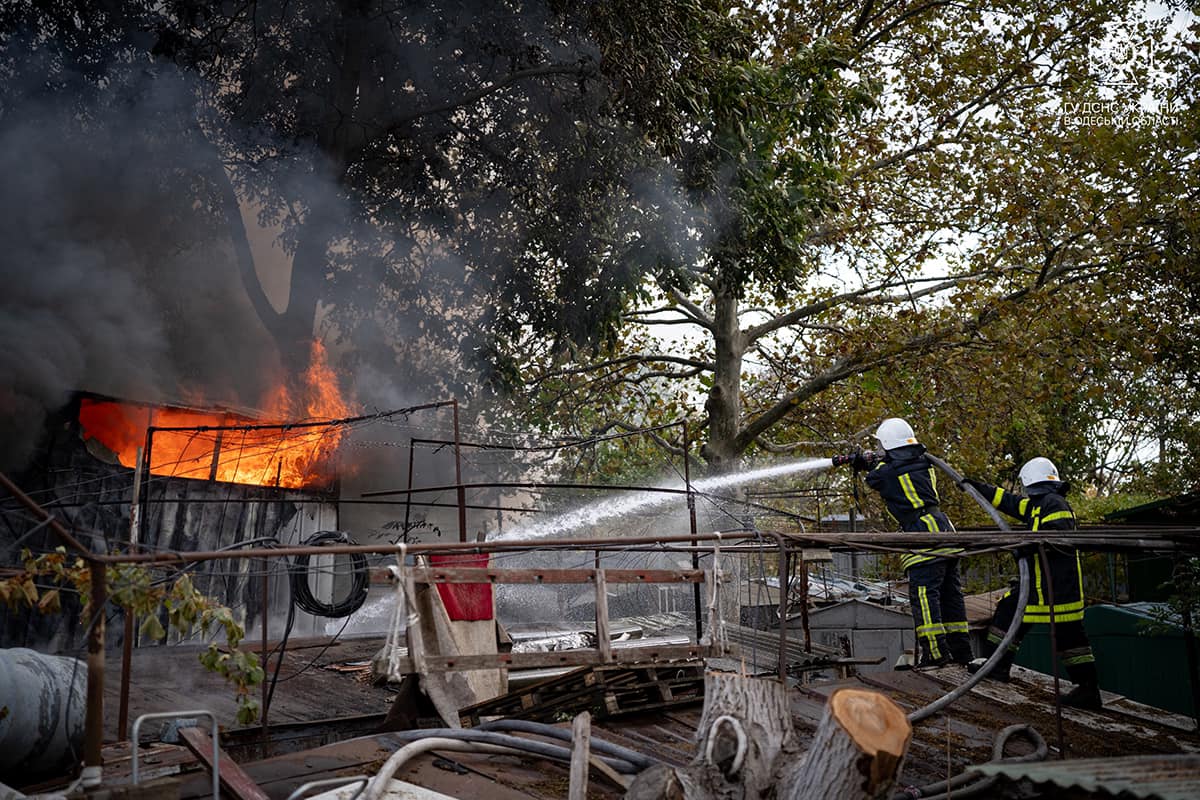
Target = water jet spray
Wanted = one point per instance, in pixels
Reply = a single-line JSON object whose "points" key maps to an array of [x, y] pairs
{"points": [[622, 506]]}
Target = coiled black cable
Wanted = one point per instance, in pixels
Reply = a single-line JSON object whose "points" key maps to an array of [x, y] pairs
{"points": [[302, 594], [302, 598]]}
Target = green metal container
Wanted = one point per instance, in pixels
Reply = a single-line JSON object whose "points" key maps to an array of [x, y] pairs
{"points": [[1151, 668]]}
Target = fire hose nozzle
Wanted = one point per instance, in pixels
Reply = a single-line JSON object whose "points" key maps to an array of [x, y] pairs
{"points": [[862, 460]]}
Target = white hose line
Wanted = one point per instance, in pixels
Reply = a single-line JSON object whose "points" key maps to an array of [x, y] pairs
{"points": [[378, 785]]}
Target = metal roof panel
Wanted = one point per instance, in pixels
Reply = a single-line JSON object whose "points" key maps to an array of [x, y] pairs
{"points": [[1152, 777]]}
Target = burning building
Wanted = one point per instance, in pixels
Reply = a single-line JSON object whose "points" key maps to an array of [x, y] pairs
{"points": [[172, 477]]}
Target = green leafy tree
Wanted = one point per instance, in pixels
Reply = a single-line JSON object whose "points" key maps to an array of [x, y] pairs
{"points": [[959, 250]]}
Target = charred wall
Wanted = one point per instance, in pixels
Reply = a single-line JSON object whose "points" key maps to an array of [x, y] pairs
{"points": [[93, 498]]}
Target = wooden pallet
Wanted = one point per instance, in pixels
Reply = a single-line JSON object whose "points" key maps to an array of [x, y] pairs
{"points": [[606, 691]]}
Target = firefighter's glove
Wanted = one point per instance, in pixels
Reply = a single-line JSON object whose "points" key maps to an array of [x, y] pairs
{"points": [[864, 462]]}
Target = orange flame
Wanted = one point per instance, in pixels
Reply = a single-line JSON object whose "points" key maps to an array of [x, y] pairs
{"points": [[246, 450]]}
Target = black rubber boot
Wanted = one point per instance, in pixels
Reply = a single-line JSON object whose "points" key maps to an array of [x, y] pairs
{"points": [[932, 663], [959, 645], [1002, 672], [1085, 697], [1086, 693], [927, 660]]}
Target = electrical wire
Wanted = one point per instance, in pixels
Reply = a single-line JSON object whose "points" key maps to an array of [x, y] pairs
{"points": [[302, 594]]}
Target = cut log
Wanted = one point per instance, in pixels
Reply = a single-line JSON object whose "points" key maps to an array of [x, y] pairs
{"points": [[747, 748], [857, 752]]}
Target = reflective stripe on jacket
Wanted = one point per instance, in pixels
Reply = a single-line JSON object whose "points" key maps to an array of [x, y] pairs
{"points": [[907, 481], [1046, 512]]}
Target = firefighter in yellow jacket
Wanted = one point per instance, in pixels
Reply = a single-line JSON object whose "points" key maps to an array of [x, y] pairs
{"points": [[907, 481], [1045, 508]]}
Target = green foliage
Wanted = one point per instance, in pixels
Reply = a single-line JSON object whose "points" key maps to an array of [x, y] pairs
{"points": [[919, 232], [1184, 601], [1094, 508], [133, 588]]}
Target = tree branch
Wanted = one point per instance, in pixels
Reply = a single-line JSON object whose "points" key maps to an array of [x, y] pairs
{"points": [[849, 366], [670, 447], [858, 297], [696, 312], [577, 68]]}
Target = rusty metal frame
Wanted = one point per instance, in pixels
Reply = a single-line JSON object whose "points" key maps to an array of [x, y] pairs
{"points": [[216, 769], [1177, 539]]}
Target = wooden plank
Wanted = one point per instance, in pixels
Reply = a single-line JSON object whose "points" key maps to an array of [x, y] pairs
{"points": [[233, 779], [603, 634], [563, 658], [490, 575], [604, 769], [581, 745]]}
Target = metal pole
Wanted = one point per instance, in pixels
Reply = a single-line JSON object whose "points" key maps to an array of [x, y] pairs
{"points": [[93, 726], [462, 493], [804, 604], [783, 602], [409, 494], [1049, 581], [127, 640], [691, 504], [1189, 644], [144, 514], [288, 426], [881, 542], [266, 594]]}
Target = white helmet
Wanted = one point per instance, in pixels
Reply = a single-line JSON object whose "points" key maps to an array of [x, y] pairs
{"points": [[895, 432], [1038, 470]]}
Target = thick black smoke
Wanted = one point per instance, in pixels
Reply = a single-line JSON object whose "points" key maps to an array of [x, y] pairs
{"points": [[116, 271]]}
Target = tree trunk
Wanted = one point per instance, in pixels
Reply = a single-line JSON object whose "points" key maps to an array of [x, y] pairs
{"points": [[724, 404], [857, 752], [337, 134], [746, 747]]}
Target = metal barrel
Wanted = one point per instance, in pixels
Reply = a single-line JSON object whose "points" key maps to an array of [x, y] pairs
{"points": [[42, 707]]}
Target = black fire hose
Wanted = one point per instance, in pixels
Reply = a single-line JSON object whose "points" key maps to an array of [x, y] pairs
{"points": [[961, 483], [1009, 635]]}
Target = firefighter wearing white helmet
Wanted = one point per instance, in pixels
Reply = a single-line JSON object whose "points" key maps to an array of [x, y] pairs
{"points": [[894, 433], [1037, 471], [907, 481], [1046, 508]]}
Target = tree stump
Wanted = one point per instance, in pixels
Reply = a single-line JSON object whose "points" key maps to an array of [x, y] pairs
{"points": [[857, 752], [747, 750], [744, 726]]}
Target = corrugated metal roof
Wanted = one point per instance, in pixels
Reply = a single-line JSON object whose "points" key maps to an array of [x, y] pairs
{"points": [[1158, 777]]}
